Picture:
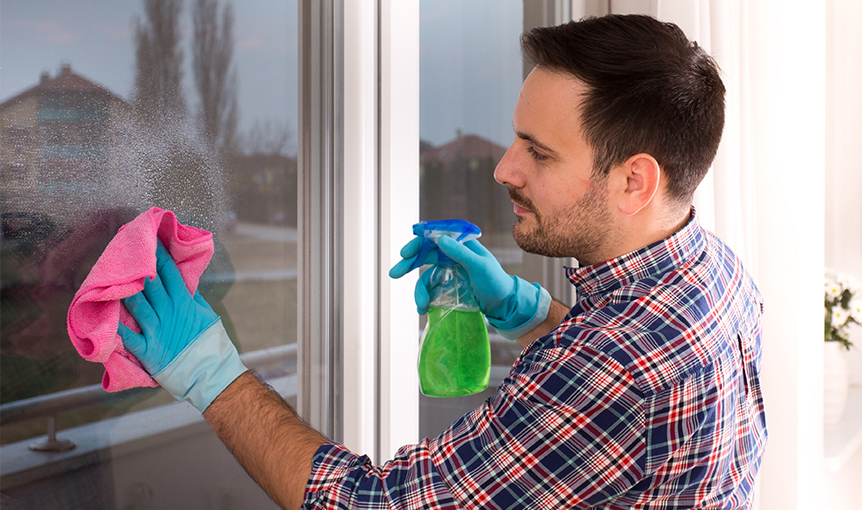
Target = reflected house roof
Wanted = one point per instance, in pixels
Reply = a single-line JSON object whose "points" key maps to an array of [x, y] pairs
{"points": [[65, 81], [56, 137], [463, 146], [457, 181]]}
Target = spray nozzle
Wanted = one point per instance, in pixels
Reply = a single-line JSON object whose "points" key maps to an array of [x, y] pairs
{"points": [[460, 230]]}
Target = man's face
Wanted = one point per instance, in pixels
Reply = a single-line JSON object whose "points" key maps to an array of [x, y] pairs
{"points": [[561, 211]]}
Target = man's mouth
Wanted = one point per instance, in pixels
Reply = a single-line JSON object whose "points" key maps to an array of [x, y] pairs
{"points": [[522, 204], [520, 211]]}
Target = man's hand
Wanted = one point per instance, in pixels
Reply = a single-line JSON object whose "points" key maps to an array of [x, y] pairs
{"points": [[512, 305], [183, 344], [168, 315]]}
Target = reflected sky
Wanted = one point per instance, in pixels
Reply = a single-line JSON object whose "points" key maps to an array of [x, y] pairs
{"points": [[471, 69]]}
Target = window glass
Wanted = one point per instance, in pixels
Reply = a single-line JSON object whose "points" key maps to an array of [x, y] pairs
{"points": [[470, 75], [107, 109]]}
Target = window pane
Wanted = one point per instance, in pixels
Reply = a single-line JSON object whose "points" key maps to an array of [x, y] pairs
{"points": [[100, 119], [470, 76]]}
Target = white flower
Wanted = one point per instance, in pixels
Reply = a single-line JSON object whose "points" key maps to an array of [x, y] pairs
{"points": [[856, 310], [839, 317], [833, 290], [836, 286]]}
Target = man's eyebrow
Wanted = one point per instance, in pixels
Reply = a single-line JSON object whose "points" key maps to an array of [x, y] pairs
{"points": [[525, 136]]}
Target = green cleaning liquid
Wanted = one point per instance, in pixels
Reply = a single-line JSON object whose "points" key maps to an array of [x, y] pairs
{"points": [[455, 356]]}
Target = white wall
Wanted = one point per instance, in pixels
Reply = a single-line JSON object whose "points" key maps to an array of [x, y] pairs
{"points": [[844, 150], [787, 52]]}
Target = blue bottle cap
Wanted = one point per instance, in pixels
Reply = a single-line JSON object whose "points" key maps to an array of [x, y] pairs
{"points": [[458, 229]]}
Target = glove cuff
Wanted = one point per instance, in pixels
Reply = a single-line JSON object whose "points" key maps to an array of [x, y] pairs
{"points": [[203, 369], [525, 318]]}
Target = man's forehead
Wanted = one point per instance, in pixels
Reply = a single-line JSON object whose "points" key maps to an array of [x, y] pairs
{"points": [[548, 103], [554, 92]]}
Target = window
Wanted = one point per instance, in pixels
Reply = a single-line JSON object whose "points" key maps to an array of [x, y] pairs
{"points": [[108, 131]]}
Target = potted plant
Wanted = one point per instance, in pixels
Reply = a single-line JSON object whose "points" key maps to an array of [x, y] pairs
{"points": [[843, 307]]}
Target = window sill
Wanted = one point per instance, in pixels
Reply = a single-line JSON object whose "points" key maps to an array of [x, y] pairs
{"points": [[842, 439]]}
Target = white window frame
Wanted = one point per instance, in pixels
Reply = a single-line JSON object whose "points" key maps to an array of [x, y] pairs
{"points": [[359, 161], [320, 163]]}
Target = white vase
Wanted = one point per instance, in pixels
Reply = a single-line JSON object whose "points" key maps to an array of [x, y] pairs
{"points": [[835, 382], [854, 357]]}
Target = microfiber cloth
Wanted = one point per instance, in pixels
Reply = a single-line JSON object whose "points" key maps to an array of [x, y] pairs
{"points": [[120, 271]]}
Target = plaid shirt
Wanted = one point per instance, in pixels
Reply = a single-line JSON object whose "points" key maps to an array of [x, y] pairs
{"points": [[647, 395]]}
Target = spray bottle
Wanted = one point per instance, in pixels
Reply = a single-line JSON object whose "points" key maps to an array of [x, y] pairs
{"points": [[454, 355]]}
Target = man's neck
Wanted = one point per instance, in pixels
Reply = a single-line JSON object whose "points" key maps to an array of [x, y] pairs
{"points": [[648, 229]]}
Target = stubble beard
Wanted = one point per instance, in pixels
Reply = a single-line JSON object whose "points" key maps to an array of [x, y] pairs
{"points": [[580, 231]]}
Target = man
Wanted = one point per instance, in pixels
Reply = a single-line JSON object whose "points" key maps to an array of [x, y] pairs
{"points": [[645, 394]]}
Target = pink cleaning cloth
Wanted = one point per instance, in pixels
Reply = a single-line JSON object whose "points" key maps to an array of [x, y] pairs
{"points": [[127, 261]]}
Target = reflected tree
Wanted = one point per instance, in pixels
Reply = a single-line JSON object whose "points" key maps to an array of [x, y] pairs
{"points": [[214, 73], [268, 137], [159, 60], [183, 170]]}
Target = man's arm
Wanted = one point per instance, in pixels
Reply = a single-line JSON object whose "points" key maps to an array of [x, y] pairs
{"points": [[267, 437], [556, 313]]}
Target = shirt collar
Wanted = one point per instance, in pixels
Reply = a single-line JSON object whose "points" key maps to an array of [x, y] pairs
{"points": [[651, 260]]}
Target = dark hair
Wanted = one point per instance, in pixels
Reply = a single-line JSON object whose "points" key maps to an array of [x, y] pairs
{"points": [[650, 90]]}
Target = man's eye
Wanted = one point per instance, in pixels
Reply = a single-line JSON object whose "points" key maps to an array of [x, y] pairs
{"points": [[536, 155]]}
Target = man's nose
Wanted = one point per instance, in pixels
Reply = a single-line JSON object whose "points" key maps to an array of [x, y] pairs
{"points": [[508, 171]]}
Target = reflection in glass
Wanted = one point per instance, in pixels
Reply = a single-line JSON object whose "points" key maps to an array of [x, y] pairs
{"points": [[165, 122]]}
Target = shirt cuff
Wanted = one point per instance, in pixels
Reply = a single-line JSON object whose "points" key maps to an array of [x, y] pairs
{"points": [[541, 314], [331, 464]]}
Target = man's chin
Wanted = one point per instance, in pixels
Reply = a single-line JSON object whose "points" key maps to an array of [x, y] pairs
{"points": [[521, 230], [530, 247], [526, 237], [532, 240]]}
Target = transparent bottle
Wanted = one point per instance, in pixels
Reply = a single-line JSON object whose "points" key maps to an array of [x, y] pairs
{"points": [[454, 355]]}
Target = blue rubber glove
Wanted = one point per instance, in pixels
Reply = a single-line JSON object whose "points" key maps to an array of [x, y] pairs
{"points": [[512, 305], [183, 344], [408, 255]]}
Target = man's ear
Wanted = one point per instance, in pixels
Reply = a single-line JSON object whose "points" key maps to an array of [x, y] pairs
{"points": [[639, 177]]}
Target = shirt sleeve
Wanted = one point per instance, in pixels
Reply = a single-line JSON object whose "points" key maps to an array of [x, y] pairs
{"points": [[564, 430]]}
